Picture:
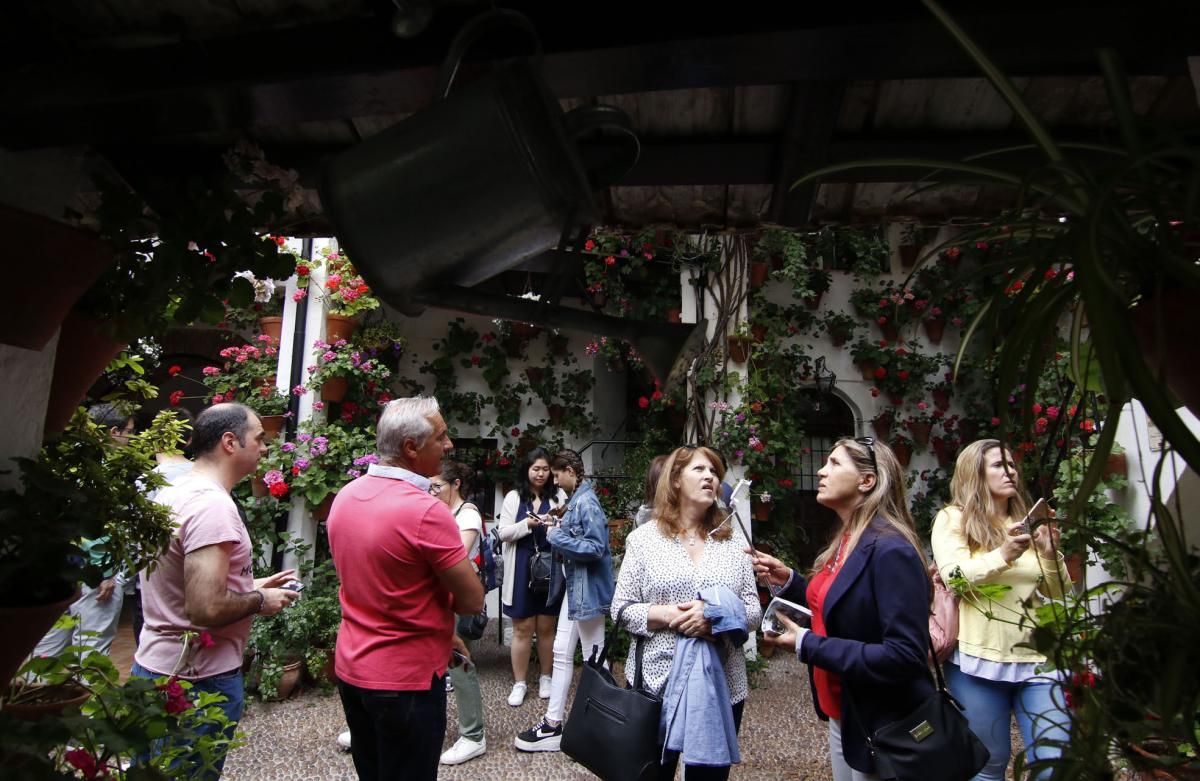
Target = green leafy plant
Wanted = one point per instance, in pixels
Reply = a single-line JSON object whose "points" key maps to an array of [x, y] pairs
{"points": [[83, 486], [345, 291], [323, 458]]}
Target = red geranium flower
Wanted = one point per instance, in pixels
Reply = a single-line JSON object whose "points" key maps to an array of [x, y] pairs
{"points": [[175, 369], [643, 402], [82, 760], [176, 397], [279, 490], [610, 261], [516, 432], [902, 374], [880, 372], [589, 245], [301, 270]]}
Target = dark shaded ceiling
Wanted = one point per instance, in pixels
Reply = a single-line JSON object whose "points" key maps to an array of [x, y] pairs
{"points": [[733, 103]]}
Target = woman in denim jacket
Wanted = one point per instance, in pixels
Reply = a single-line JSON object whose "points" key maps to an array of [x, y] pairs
{"points": [[581, 540]]}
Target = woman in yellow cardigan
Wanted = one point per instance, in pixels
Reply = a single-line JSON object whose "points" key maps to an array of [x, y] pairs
{"points": [[981, 535]]}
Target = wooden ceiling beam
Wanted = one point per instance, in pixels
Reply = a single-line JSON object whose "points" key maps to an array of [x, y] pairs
{"points": [[804, 146], [143, 96]]}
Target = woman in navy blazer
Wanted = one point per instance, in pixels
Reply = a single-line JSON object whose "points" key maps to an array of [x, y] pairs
{"points": [[869, 592]]}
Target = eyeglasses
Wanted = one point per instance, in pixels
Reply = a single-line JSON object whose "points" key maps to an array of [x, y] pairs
{"points": [[436, 488], [869, 444]]}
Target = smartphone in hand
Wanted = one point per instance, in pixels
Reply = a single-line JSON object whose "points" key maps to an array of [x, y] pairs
{"points": [[1038, 514], [797, 614]]}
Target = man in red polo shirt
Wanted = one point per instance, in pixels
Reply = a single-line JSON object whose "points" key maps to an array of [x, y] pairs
{"points": [[404, 575]]}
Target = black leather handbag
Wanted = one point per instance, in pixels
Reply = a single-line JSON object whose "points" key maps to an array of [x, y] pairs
{"points": [[540, 564], [933, 743], [613, 730]]}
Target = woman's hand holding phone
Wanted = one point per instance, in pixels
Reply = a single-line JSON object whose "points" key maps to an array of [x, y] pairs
{"points": [[1016, 543]]}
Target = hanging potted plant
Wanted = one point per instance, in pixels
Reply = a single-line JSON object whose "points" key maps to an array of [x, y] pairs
{"points": [[343, 370], [839, 326], [322, 459], [248, 376], [346, 296]]}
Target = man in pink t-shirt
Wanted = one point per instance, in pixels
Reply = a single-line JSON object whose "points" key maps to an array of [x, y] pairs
{"points": [[204, 582], [404, 574]]}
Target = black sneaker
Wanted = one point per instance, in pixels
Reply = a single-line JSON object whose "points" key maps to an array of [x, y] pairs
{"points": [[543, 737]]}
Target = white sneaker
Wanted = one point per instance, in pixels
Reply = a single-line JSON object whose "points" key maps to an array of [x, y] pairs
{"points": [[343, 740], [517, 695], [463, 751], [544, 686]]}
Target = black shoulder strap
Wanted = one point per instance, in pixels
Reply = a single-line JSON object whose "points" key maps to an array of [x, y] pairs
{"points": [[610, 640]]}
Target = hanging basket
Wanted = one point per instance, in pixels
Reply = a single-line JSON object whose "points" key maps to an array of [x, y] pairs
{"points": [[339, 327], [273, 327], [51, 701]]}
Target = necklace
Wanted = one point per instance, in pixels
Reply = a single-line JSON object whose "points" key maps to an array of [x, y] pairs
{"points": [[692, 538]]}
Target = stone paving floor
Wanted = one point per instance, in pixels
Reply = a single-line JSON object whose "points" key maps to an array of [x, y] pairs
{"points": [[780, 738]]}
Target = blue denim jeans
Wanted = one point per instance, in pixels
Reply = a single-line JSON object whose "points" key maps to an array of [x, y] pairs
{"points": [[1038, 704], [228, 684], [395, 734]]}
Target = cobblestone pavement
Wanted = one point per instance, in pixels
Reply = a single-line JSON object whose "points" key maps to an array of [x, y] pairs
{"points": [[780, 736]]}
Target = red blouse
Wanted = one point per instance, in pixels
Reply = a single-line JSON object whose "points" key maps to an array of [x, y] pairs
{"points": [[827, 684]]}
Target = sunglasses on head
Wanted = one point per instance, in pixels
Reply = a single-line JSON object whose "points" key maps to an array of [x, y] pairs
{"points": [[869, 444]]}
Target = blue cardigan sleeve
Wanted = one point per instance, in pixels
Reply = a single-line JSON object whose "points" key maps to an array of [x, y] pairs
{"points": [[900, 597], [585, 537]]}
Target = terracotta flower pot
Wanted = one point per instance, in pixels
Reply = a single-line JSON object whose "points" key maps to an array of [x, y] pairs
{"points": [[890, 331], [559, 345], [758, 274], [51, 701], [739, 349], [288, 681], [1116, 465], [868, 370], [273, 327], [839, 336], [598, 299], [555, 413], [934, 328], [813, 302], [942, 451], [84, 349], [882, 425], [338, 327], [920, 432], [320, 513], [903, 450], [24, 625], [272, 425], [335, 389], [760, 511], [258, 487], [941, 399], [535, 374], [674, 315], [759, 332], [526, 331]]}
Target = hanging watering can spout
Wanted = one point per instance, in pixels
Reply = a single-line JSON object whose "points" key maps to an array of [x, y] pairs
{"points": [[468, 188]]}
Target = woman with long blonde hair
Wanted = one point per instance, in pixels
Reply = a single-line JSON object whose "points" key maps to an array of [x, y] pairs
{"points": [[869, 596], [982, 536]]}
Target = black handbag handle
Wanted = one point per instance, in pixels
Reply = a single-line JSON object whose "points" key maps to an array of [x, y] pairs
{"points": [[472, 31]]}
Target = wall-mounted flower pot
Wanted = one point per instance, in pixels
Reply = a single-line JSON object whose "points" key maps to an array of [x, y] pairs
{"points": [[559, 344], [759, 332], [934, 328], [760, 511], [868, 369], [941, 399], [525, 331], [598, 299], [839, 336], [555, 413], [903, 450], [758, 274], [338, 327], [258, 487], [674, 315], [882, 425], [535, 374], [273, 327], [941, 451], [335, 389], [272, 425], [813, 302], [1116, 465], [890, 331], [739, 349], [320, 513], [920, 432]]}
